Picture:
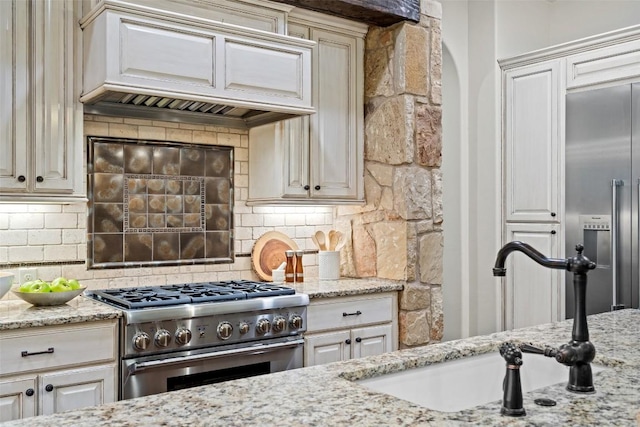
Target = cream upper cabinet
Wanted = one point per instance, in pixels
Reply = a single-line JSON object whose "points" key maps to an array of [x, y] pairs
{"points": [[320, 158], [41, 118], [533, 130]]}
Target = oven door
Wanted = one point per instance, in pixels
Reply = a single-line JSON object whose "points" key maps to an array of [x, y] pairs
{"points": [[166, 372]]}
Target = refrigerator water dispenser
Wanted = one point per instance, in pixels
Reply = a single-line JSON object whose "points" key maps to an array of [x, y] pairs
{"points": [[596, 231]]}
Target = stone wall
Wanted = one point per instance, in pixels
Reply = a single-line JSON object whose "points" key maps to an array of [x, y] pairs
{"points": [[398, 233]]}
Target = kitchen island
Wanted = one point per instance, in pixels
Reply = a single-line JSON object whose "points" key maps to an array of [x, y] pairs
{"points": [[326, 395]]}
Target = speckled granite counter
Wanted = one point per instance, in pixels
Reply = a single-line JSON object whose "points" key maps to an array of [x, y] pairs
{"points": [[345, 286], [16, 314], [326, 396]]}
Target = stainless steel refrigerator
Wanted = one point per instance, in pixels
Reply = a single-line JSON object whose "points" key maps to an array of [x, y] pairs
{"points": [[602, 177]]}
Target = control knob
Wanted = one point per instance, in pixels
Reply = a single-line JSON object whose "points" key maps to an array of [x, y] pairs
{"points": [[141, 341], [279, 323], [225, 330], [295, 321], [244, 328], [263, 326], [162, 338], [183, 336]]}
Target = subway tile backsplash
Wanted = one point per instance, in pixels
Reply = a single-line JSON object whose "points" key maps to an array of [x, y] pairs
{"points": [[54, 236]]}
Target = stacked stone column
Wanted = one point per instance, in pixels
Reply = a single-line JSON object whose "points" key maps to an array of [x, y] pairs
{"points": [[398, 233]]}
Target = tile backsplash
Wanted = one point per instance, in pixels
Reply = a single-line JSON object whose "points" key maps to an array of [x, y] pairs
{"points": [[53, 237], [157, 203]]}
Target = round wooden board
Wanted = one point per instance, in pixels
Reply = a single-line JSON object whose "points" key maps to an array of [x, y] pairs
{"points": [[268, 253]]}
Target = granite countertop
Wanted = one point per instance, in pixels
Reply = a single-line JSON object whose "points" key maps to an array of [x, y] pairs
{"points": [[325, 395], [16, 314], [345, 287]]}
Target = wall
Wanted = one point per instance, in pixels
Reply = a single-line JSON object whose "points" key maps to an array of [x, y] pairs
{"points": [[53, 237], [477, 34]]}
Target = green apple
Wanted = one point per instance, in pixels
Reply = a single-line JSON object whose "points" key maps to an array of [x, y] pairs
{"points": [[40, 286], [26, 287], [60, 286], [73, 284]]}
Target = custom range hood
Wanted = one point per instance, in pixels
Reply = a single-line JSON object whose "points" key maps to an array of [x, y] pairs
{"points": [[141, 61]]}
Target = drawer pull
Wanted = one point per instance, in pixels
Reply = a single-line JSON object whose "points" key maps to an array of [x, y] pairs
{"points": [[26, 353], [358, 339], [29, 392], [49, 387], [357, 313], [347, 341]]}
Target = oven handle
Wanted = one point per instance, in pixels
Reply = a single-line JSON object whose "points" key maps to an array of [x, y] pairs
{"points": [[136, 367]]}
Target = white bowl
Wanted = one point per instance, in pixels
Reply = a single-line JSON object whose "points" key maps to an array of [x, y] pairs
{"points": [[48, 298], [6, 280]]}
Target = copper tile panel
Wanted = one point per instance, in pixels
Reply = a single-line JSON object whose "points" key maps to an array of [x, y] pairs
{"points": [[158, 203]]}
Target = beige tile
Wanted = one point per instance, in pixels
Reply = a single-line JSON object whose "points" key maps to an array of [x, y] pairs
{"points": [[121, 130], [205, 137], [152, 132], [179, 135], [96, 129], [229, 139], [108, 119], [166, 124]]}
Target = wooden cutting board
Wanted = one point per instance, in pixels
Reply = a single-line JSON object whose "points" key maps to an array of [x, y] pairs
{"points": [[268, 253]]}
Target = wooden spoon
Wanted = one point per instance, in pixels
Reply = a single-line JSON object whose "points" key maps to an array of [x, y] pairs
{"points": [[315, 241], [321, 240], [333, 239]]}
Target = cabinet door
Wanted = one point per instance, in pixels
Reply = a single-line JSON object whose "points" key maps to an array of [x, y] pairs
{"points": [[57, 114], [326, 348], [14, 46], [336, 147], [533, 294], [17, 398], [372, 340], [77, 388], [533, 129]]}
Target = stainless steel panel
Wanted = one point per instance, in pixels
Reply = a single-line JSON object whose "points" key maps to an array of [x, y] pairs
{"points": [[598, 151], [630, 295]]}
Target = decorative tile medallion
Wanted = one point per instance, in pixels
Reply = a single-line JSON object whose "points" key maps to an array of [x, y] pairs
{"points": [[158, 203]]}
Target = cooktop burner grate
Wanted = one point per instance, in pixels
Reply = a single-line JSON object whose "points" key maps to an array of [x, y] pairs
{"points": [[157, 296]]}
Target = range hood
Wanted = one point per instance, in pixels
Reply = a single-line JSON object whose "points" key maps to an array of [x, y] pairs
{"points": [[162, 65]]}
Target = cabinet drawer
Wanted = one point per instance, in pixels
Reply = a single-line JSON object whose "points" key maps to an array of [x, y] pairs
{"points": [[72, 345], [349, 312]]}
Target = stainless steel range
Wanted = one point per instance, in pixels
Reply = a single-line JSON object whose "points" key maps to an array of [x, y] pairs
{"points": [[180, 336]]}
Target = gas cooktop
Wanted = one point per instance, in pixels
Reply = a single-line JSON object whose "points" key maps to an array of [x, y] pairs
{"points": [[189, 293]]}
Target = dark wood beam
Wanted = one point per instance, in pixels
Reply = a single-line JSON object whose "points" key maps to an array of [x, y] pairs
{"points": [[375, 12]]}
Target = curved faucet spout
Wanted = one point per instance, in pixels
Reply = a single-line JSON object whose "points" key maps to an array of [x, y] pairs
{"points": [[500, 270]]}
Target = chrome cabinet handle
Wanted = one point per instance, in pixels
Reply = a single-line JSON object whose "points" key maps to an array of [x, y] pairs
{"points": [[615, 183], [26, 353]]}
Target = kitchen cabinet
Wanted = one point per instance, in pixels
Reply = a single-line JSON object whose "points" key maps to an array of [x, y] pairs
{"points": [[534, 90], [51, 369], [533, 294], [317, 159], [533, 133], [350, 327], [40, 115], [533, 106]]}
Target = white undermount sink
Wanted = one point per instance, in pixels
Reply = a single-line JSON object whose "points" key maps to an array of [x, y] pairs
{"points": [[464, 383]]}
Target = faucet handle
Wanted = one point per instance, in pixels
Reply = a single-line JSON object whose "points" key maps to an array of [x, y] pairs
{"points": [[545, 351], [511, 354]]}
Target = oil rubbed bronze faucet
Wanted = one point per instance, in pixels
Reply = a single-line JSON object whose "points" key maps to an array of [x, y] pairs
{"points": [[579, 352]]}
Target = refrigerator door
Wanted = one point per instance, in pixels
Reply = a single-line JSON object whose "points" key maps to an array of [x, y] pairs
{"points": [[630, 297], [598, 193]]}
